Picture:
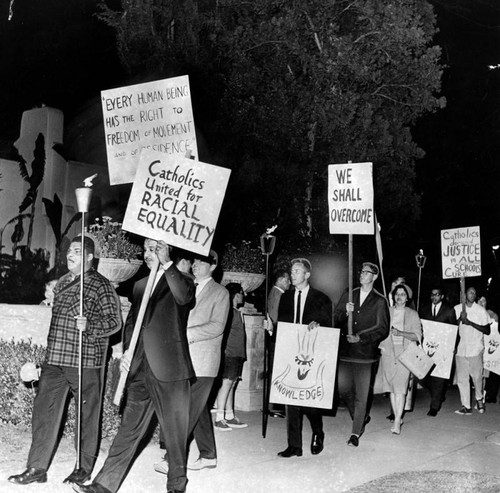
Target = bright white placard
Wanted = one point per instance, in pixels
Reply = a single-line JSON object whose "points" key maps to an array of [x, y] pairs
{"points": [[304, 366], [177, 200], [461, 252], [155, 115], [350, 199]]}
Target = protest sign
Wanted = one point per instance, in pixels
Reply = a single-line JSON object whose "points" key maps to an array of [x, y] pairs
{"points": [[177, 200], [350, 198], [461, 252], [491, 356], [155, 115], [304, 367], [439, 343]]}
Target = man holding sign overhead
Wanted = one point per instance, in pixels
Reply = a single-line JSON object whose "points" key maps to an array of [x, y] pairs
{"points": [[159, 375]]}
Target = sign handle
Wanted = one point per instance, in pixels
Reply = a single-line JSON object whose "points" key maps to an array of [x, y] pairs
{"points": [[137, 330], [349, 314]]}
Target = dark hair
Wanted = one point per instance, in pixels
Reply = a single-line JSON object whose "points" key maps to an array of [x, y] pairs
{"points": [[88, 243], [279, 273], [177, 254], [404, 288], [234, 288]]}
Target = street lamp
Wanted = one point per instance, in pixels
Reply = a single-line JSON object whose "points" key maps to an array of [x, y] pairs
{"points": [[420, 259]]}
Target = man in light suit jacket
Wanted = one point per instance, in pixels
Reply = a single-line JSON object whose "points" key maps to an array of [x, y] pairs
{"points": [[159, 377], [205, 329], [438, 311], [304, 305]]}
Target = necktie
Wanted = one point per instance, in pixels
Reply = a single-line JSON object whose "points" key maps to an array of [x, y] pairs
{"points": [[297, 311], [434, 310]]}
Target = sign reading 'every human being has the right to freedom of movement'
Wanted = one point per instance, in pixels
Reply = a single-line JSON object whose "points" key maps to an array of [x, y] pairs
{"points": [[350, 199]]}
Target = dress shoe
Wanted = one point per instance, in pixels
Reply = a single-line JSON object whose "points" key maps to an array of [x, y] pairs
{"points": [[78, 476], [317, 444], [277, 414], [202, 463], [290, 452], [90, 488], [353, 441], [432, 412], [31, 475], [390, 417]]}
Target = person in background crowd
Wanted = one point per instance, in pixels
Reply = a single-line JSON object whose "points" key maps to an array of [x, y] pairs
{"points": [[60, 375], [405, 329], [234, 346], [492, 381], [205, 332], [359, 351], [308, 306], [438, 310], [159, 376], [474, 323], [49, 292], [280, 286]]}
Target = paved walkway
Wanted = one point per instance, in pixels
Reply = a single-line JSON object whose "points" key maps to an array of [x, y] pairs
{"points": [[248, 463]]}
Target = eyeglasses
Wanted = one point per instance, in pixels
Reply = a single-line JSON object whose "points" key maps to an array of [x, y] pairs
{"points": [[366, 272], [435, 294]]}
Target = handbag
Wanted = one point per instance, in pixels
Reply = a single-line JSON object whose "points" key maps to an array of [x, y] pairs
{"points": [[416, 360]]}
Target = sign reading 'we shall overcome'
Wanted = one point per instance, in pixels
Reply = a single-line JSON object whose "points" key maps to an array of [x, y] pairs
{"points": [[350, 199], [177, 200]]}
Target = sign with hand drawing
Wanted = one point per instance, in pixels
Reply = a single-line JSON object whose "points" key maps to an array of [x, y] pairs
{"points": [[305, 363], [439, 343]]}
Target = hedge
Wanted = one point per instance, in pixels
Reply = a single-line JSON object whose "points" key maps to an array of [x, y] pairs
{"points": [[16, 397]]}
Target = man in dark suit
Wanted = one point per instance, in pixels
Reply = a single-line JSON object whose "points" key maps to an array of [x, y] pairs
{"points": [[304, 305], [438, 311], [159, 377], [359, 350]]}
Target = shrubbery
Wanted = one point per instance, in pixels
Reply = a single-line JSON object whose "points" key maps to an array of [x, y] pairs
{"points": [[16, 397]]}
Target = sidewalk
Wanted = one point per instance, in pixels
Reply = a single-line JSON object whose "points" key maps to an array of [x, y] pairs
{"points": [[248, 463]]}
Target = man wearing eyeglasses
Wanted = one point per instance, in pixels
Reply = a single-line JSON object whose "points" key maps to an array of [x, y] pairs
{"points": [[309, 306], [359, 351], [438, 311]]}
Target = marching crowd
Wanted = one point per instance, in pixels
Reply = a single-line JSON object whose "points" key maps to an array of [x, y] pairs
{"points": [[191, 332]]}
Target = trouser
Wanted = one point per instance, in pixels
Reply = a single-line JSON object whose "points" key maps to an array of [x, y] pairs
{"points": [[145, 396], [437, 390], [473, 367], [48, 409], [354, 388], [200, 420], [294, 419], [492, 386]]}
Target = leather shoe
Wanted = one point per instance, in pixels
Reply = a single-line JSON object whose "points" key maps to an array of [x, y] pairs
{"points": [[78, 476], [31, 475], [317, 444], [353, 441], [290, 452], [432, 412], [90, 488]]}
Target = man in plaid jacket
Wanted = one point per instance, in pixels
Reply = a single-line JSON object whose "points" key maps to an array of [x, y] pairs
{"points": [[101, 318]]}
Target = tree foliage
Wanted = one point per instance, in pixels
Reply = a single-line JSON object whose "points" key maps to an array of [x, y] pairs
{"points": [[284, 88]]}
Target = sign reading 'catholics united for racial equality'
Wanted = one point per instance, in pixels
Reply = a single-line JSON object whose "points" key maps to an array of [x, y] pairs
{"points": [[304, 366], [350, 199], [177, 200], [461, 252], [154, 115]]}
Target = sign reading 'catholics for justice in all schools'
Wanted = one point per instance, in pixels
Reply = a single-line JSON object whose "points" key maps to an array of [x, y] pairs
{"points": [[154, 115], [350, 199], [177, 200], [461, 252]]}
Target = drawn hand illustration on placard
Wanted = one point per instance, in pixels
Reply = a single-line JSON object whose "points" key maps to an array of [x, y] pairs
{"points": [[303, 378], [431, 347], [492, 346]]}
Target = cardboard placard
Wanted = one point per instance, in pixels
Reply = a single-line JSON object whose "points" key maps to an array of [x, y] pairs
{"points": [[491, 356], [461, 252], [155, 115], [304, 366], [439, 343], [177, 200], [350, 199]]}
